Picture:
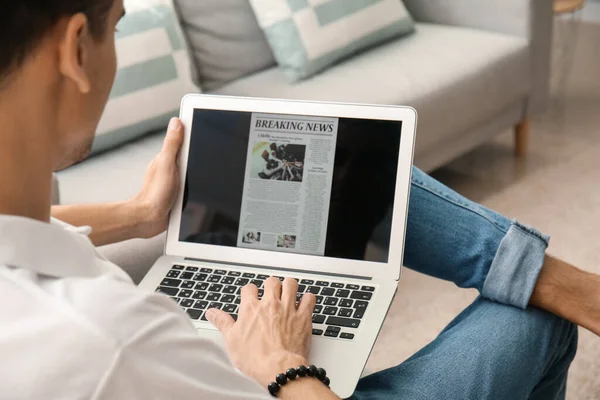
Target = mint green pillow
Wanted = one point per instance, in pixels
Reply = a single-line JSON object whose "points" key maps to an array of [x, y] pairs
{"points": [[307, 36], [153, 75]]}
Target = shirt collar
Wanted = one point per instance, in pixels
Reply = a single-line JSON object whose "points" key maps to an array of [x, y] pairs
{"points": [[53, 249]]}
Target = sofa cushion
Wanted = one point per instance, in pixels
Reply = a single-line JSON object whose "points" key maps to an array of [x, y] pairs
{"points": [[309, 36], [456, 78], [153, 75], [225, 40]]}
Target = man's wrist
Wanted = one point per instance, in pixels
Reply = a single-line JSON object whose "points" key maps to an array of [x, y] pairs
{"points": [[279, 364], [141, 217]]}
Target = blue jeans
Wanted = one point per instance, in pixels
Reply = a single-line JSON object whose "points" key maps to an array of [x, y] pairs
{"points": [[497, 348]]}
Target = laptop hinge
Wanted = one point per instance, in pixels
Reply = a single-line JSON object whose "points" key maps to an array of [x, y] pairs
{"points": [[304, 271]]}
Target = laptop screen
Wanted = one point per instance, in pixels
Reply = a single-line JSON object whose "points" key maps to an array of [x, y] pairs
{"points": [[298, 184]]}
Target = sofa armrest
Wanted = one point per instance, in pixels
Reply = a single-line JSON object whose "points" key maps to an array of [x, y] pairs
{"points": [[531, 19], [55, 191]]}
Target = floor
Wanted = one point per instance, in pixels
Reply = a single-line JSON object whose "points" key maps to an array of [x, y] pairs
{"points": [[555, 188]]}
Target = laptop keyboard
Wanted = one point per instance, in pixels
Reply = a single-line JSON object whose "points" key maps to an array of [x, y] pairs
{"points": [[338, 313]]}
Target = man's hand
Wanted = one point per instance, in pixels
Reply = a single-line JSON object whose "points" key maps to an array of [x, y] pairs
{"points": [[161, 184], [272, 334]]}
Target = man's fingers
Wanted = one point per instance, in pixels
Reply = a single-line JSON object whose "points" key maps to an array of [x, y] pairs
{"points": [[249, 294], [307, 304], [272, 289], [220, 319], [288, 293], [174, 138]]}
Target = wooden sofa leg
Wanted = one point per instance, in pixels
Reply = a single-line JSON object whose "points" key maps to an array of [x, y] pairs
{"points": [[521, 138]]}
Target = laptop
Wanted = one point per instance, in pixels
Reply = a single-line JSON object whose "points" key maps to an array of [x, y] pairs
{"points": [[313, 191]]}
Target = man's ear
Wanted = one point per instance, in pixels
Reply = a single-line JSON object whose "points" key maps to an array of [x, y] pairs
{"points": [[74, 52]]}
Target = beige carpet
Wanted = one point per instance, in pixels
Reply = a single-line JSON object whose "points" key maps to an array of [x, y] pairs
{"points": [[556, 188]]}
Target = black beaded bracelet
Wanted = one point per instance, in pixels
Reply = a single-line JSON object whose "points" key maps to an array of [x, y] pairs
{"points": [[300, 372]]}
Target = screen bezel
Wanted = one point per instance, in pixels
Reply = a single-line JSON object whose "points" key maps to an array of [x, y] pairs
{"points": [[237, 255]]}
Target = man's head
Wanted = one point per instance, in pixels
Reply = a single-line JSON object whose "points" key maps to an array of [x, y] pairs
{"points": [[65, 48]]}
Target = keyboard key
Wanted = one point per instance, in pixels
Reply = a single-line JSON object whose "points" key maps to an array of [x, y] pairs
{"points": [[248, 275], [238, 300], [215, 287], [193, 269], [261, 292], [234, 273], [346, 303], [281, 278], [334, 328], [228, 298], [262, 277], [322, 283], [185, 293], [361, 304], [328, 291], [216, 305], [361, 295], [230, 289], [171, 291], [173, 274], [347, 335], [257, 282], [343, 322], [318, 309], [331, 301], [187, 275], [331, 334], [239, 290], [188, 285], [203, 317], [235, 317], [213, 297], [345, 312], [230, 308], [214, 278], [175, 299], [202, 286], [298, 297], [201, 305], [330, 310], [307, 282], [317, 332], [352, 287], [359, 313], [242, 282], [198, 295], [301, 288], [314, 290], [228, 280], [187, 303], [170, 282], [368, 288], [206, 270], [200, 277], [318, 319], [342, 293], [220, 272], [178, 267], [319, 300], [337, 285], [194, 314]]}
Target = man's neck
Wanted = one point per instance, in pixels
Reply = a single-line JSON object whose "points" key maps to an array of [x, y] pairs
{"points": [[27, 151]]}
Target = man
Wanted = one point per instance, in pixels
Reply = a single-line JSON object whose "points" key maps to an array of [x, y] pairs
{"points": [[75, 327]]}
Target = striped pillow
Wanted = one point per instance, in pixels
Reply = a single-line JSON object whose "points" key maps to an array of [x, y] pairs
{"points": [[307, 36], [154, 74]]}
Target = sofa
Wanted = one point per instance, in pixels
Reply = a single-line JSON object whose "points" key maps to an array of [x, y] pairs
{"points": [[472, 70]]}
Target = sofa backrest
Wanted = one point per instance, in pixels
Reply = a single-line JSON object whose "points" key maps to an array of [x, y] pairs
{"points": [[225, 40]]}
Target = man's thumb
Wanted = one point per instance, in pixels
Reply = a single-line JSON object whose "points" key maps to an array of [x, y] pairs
{"points": [[220, 319], [174, 138]]}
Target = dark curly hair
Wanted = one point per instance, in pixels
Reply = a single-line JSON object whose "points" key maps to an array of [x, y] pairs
{"points": [[23, 23]]}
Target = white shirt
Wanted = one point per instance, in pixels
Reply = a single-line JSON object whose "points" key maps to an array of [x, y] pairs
{"points": [[73, 326]]}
